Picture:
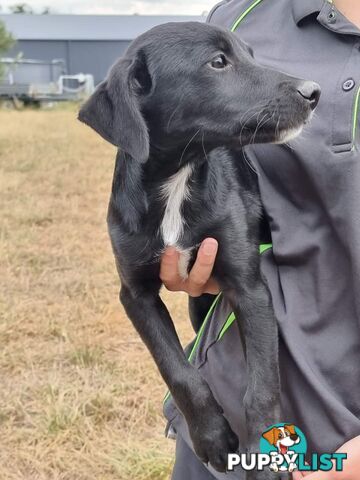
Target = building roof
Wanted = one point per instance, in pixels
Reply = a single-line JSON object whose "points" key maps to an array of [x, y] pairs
{"points": [[85, 27]]}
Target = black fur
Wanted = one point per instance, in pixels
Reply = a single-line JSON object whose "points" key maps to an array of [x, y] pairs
{"points": [[165, 104]]}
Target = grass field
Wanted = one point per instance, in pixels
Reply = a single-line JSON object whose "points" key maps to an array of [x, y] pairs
{"points": [[80, 396]]}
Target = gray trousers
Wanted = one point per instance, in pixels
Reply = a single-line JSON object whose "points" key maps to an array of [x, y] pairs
{"points": [[187, 465]]}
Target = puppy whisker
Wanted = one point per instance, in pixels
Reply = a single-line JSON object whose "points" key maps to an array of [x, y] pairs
{"points": [[203, 146], [247, 121], [173, 115], [188, 145]]}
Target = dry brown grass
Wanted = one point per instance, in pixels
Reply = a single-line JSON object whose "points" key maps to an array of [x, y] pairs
{"points": [[80, 397]]}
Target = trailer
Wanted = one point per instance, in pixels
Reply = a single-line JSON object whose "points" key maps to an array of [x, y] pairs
{"points": [[36, 82]]}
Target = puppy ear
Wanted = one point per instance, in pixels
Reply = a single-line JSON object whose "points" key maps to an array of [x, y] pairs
{"points": [[113, 110], [97, 112], [291, 428], [270, 436]]}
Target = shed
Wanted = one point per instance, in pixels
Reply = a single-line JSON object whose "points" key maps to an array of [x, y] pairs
{"points": [[86, 43]]}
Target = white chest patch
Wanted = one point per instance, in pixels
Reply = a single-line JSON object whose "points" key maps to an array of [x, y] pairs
{"points": [[174, 192]]}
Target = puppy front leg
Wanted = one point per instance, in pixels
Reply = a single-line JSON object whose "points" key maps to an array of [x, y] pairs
{"points": [[254, 311], [210, 432]]}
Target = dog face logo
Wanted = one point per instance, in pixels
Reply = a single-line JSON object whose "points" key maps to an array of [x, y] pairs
{"points": [[283, 442], [282, 438]]}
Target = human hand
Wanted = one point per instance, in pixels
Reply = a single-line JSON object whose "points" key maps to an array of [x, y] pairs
{"points": [[199, 280], [351, 465]]}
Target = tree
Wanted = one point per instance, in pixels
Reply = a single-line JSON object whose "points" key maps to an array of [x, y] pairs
{"points": [[6, 42], [21, 8], [6, 39]]}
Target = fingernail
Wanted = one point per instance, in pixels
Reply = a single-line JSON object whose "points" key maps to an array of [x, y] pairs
{"points": [[170, 251], [210, 247]]}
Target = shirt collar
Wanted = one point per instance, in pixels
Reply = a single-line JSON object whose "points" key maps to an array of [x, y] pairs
{"points": [[304, 8]]}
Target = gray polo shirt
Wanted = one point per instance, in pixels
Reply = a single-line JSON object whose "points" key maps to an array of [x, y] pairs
{"points": [[311, 193]]}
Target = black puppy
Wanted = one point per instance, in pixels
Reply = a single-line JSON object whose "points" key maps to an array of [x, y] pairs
{"points": [[180, 105]]}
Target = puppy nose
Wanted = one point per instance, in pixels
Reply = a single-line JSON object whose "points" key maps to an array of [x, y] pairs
{"points": [[294, 437], [310, 91]]}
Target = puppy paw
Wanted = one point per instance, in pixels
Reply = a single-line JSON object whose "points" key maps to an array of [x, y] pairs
{"points": [[213, 440]]}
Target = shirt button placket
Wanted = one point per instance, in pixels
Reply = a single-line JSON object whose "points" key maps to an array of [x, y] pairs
{"points": [[344, 103], [348, 85], [332, 16]]}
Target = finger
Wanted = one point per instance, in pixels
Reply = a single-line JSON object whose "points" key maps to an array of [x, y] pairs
{"points": [[201, 271], [298, 475], [322, 476], [169, 272], [212, 287]]}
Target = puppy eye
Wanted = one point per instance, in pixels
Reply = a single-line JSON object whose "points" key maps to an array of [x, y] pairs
{"points": [[219, 62], [280, 435]]}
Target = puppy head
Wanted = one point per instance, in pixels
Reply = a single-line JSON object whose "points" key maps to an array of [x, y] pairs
{"points": [[285, 435], [193, 81]]}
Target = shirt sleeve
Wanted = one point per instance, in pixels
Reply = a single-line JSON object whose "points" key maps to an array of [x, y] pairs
{"points": [[225, 13]]}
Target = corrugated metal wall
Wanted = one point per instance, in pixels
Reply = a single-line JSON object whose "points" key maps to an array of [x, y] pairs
{"points": [[80, 56]]}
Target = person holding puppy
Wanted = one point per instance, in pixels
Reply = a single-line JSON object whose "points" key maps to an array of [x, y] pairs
{"points": [[311, 195]]}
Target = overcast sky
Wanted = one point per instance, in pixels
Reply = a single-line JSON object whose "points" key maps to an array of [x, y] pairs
{"points": [[145, 7]]}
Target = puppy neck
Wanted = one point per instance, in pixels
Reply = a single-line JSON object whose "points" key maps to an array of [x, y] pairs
{"points": [[136, 186], [163, 163]]}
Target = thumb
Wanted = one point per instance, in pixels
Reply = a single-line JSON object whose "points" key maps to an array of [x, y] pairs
{"points": [[320, 476], [298, 475]]}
